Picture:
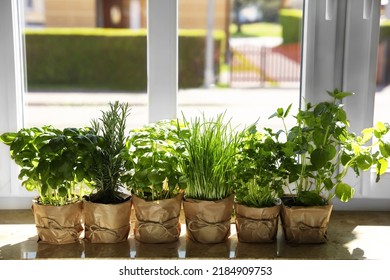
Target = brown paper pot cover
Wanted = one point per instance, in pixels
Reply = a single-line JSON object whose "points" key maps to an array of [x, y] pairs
{"points": [[157, 221], [257, 225], [107, 223], [208, 221], [58, 224], [306, 224]]}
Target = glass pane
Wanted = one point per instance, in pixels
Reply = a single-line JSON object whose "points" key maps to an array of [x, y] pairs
{"points": [[382, 96], [82, 55], [256, 58]]}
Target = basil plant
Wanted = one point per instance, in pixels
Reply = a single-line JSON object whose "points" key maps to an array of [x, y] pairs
{"points": [[51, 161], [152, 161]]}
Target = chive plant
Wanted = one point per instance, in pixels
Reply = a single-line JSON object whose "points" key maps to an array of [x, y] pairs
{"points": [[209, 158]]}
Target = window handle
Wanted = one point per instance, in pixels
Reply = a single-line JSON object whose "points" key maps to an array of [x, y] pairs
{"points": [[330, 9], [367, 8]]}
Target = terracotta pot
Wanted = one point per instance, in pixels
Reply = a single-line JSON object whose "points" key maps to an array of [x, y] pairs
{"points": [[208, 221], [107, 223], [58, 224], [257, 225], [157, 221], [306, 224]]}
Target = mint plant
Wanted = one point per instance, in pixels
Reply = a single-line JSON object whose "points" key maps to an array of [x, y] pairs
{"points": [[324, 150]]}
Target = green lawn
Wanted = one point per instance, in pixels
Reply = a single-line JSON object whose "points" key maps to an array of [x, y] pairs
{"points": [[262, 29]]}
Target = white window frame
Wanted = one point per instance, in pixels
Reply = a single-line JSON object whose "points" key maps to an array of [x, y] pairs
{"points": [[12, 88]]}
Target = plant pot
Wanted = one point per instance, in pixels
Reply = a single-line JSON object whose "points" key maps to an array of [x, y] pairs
{"points": [[208, 221], [157, 221], [107, 223], [257, 225], [306, 224], [58, 224]]}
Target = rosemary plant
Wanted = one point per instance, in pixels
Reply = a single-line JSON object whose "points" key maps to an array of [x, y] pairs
{"points": [[108, 164], [209, 158]]}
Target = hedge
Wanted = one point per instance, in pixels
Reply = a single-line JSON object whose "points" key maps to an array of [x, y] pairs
{"points": [[291, 22], [384, 30], [106, 59]]}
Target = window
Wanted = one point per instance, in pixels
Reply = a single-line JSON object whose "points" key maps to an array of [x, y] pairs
{"points": [[339, 50]]}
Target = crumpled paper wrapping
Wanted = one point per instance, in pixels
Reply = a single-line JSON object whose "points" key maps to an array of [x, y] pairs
{"points": [[107, 223], [157, 221], [257, 225], [208, 221], [58, 224], [306, 224]]}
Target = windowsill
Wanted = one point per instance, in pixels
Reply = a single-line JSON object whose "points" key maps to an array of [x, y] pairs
{"points": [[352, 235]]}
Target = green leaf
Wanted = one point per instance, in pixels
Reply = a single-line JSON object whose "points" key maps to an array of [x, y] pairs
{"points": [[320, 109], [328, 184], [318, 137], [319, 158], [339, 94], [311, 198], [381, 166], [331, 150], [367, 134], [326, 119], [62, 191], [341, 115], [287, 111], [71, 131], [280, 112], [384, 149], [156, 177], [141, 175], [29, 184], [8, 138], [80, 174], [364, 161], [344, 192]]}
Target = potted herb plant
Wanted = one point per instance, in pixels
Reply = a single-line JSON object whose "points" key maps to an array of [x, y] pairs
{"points": [[50, 162], [259, 182], [207, 165], [155, 181], [324, 151], [107, 208]]}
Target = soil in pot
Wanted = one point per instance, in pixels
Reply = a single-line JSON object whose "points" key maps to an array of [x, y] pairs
{"points": [[157, 221], [58, 224], [208, 221], [107, 223], [257, 225]]}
